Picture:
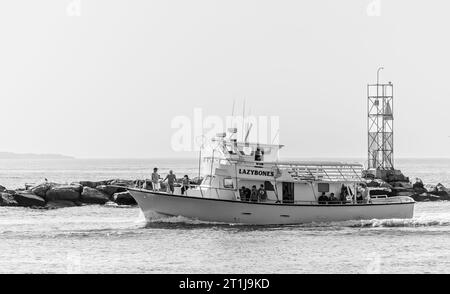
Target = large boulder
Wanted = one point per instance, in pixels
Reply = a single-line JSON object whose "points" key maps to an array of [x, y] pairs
{"points": [[424, 197], [93, 196], [443, 195], [92, 184], [7, 199], [397, 176], [2, 189], [28, 199], [111, 190], [41, 189], [373, 184], [60, 204], [124, 198], [120, 182], [419, 190], [403, 185], [418, 184], [441, 191], [70, 193]]}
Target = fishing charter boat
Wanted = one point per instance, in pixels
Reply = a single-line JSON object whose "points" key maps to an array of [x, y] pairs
{"points": [[293, 190]]}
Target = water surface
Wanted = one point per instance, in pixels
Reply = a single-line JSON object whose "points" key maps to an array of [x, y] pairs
{"points": [[113, 239]]}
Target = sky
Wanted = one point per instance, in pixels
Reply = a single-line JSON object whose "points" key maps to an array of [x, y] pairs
{"points": [[110, 78]]}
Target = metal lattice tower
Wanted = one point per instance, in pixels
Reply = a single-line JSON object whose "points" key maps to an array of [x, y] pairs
{"points": [[380, 124]]}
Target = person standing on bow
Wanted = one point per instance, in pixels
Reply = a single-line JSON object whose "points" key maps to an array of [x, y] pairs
{"points": [[171, 179], [156, 186], [185, 184]]}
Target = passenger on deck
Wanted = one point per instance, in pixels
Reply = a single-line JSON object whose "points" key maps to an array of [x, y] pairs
{"points": [[254, 197], [171, 178], [155, 180], [262, 193], [259, 155], [359, 194], [344, 192], [332, 198], [359, 198], [185, 184], [366, 195], [248, 193], [245, 193], [242, 193], [323, 199]]}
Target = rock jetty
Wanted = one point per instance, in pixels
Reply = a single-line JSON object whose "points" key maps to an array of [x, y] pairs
{"points": [[54, 195], [49, 195], [418, 191]]}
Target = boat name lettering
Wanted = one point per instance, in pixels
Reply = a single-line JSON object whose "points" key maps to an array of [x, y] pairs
{"points": [[254, 172]]}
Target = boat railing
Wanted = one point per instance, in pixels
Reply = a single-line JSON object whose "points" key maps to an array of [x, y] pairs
{"points": [[379, 196], [331, 203], [394, 199], [216, 189]]}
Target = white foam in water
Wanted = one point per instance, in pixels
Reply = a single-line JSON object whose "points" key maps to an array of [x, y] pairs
{"points": [[415, 222], [154, 217]]}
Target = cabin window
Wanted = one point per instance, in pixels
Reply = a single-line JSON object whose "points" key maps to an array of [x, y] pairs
{"points": [[323, 187], [228, 183]]}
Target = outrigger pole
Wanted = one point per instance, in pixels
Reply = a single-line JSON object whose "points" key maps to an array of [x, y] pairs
{"points": [[243, 121], [200, 155], [199, 161], [248, 133]]}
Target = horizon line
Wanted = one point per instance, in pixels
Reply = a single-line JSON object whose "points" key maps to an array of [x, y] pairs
{"points": [[281, 157]]}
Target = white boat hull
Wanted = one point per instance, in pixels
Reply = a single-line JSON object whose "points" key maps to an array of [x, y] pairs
{"points": [[228, 211]]}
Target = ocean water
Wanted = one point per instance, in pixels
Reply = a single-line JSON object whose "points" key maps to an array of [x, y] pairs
{"points": [[113, 239], [15, 173]]}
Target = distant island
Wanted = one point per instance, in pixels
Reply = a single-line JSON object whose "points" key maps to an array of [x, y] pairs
{"points": [[12, 155]]}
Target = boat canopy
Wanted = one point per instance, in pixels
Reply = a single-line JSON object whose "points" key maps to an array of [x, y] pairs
{"points": [[245, 151], [323, 171]]}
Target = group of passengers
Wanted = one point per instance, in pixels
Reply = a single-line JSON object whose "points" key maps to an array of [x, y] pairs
{"points": [[253, 195], [362, 196], [324, 199], [171, 179]]}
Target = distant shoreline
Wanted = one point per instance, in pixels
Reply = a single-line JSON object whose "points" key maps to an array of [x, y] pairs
{"points": [[12, 155]]}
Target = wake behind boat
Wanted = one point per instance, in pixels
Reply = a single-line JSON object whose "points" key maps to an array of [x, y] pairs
{"points": [[294, 192]]}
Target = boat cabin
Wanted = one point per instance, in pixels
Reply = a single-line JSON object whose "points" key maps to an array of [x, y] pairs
{"points": [[233, 165]]}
